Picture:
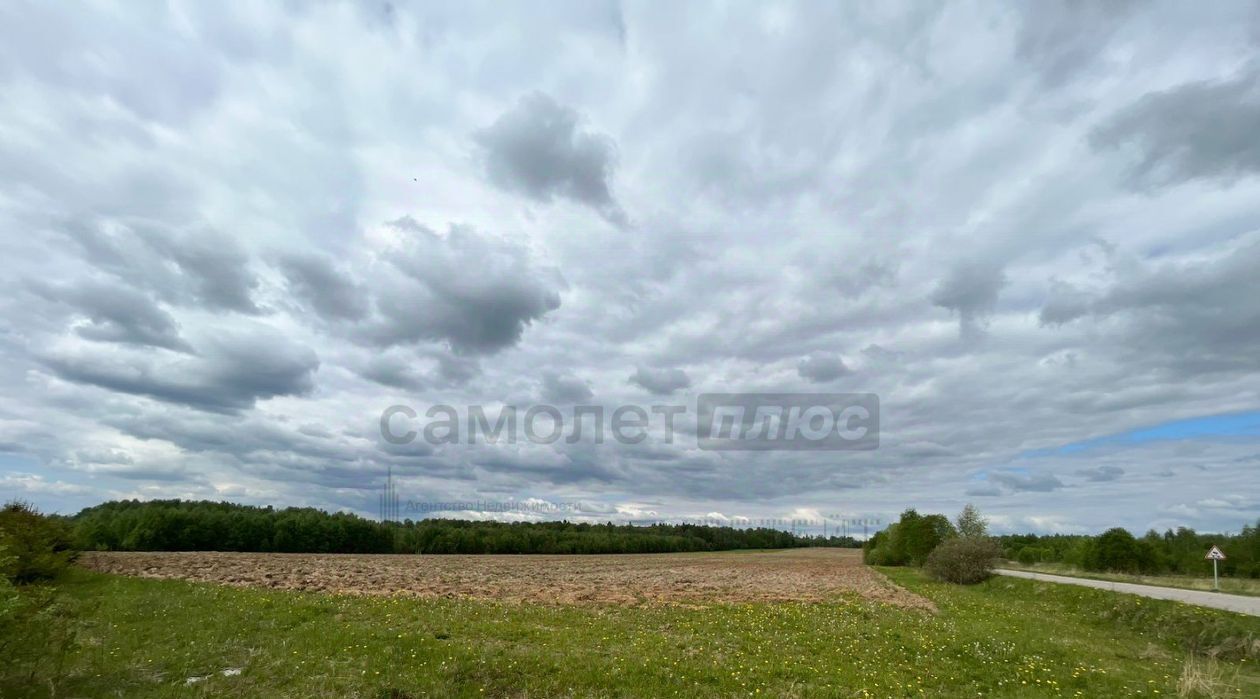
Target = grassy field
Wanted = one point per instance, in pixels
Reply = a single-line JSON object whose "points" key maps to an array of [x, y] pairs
{"points": [[1010, 638], [1237, 586]]}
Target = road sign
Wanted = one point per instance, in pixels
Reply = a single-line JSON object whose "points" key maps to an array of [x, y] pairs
{"points": [[1214, 554]]}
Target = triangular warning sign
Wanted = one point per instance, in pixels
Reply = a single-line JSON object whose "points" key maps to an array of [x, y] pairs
{"points": [[1215, 554]]}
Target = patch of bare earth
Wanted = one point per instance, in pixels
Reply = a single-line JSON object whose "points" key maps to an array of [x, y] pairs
{"points": [[805, 575]]}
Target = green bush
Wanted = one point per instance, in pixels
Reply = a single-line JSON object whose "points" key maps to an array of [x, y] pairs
{"points": [[38, 547], [9, 600], [909, 541], [38, 630], [963, 560], [878, 550]]}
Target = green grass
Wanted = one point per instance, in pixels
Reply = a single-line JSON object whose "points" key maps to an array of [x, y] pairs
{"points": [[1006, 637], [1236, 586]]}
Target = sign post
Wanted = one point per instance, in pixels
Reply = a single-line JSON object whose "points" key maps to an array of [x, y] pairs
{"points": [[1215, 554]]}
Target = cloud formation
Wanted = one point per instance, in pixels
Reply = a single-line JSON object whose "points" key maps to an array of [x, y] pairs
{"points": [[538, 149], [1203, 129], [1105, 472], [234, 244], [229, 373], [475, 292], [1037, 483], [970, 290], [822, 367], [559, 388], [661, 381], [116, 313], [315, 280]]}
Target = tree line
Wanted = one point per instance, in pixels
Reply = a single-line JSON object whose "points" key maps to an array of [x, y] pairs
{"points": [[177, 525], [1177, 552], [913, 538]]}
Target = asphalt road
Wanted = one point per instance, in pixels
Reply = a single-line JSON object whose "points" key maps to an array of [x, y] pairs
{"points": [[1217, 600]]}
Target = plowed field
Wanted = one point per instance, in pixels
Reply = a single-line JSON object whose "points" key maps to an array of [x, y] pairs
{"points": [[646, 579]]}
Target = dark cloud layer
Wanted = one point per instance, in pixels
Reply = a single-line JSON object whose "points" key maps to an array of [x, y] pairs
{"points": [[661, 382], [1195, 315], [202, 268], [229, 373], [1101, 473], [475, 292], [330, 293], [1197, 130], [215, 265], [116, 313], [821, 367], [970, 290], [558, 388], [1062, 38], [538, 149], [1037, 483]]}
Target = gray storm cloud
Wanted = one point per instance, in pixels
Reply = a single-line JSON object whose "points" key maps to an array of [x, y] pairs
{"points": [[660, 382], [1037, 483], [1203, 129], [538, 149], [228, 374], [821, 367], [202, 268], [971, 291], [328, 290], [559, 388], [473, 291], [116, 313]]}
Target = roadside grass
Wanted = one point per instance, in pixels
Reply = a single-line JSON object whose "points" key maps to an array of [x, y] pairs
{"points": [[1005, 637], [1236, 586], [1207, 647], [1203, 677]]}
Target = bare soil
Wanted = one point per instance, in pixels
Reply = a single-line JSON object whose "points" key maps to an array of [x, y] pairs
{"points": [[627, 579]]}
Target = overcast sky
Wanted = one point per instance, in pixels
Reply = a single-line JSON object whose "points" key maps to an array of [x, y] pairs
{"points": [[231, 240]]}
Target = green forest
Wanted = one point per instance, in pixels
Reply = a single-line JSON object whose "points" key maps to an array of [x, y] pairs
{"points": [[1177, 551], [915, 536], [176, 525]]}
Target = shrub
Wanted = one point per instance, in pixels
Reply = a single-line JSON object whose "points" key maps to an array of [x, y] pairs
{"points": [[38, 547], [38, 632], [963, 560], [879, 549], [1029, 555], [37, 627], [9, 600]]}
